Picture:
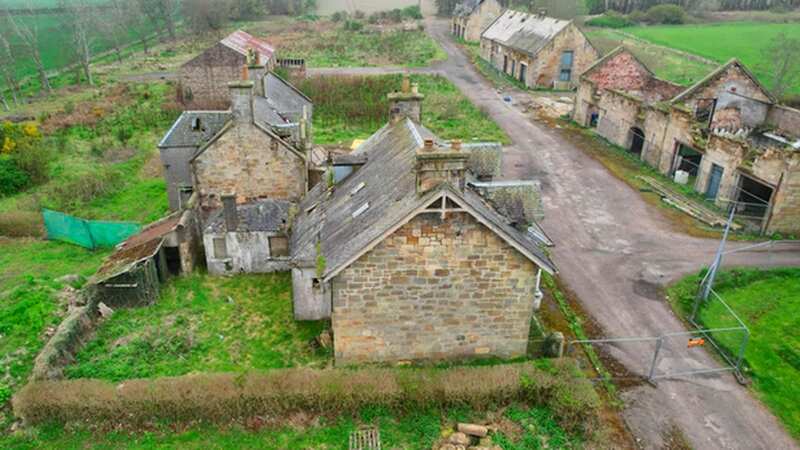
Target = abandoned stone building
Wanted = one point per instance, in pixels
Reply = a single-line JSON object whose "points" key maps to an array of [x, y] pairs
{"points": [[537, 50], [408, 257], [726, 135], [276, 105], [472, 17], [203, 80]]}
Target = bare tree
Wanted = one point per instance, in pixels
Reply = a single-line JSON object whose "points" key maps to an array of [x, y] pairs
{"points": [[161, 12], [79, 21], [205, 16], [28, 33], [785, 64], [7, 70], [136, 21], [113, 25]]}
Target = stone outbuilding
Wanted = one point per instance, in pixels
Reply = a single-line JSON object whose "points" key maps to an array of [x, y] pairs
{"points": [[537, 50], [472, 17], [277, 106], [726, 135], [409, 259], [203, 80]]}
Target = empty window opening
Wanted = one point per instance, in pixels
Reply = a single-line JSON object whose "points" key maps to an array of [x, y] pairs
{"points": [[688, 160], [594, 118], [505, 63], [637, 140], [279, 247], [220, 249], [753, 198]]}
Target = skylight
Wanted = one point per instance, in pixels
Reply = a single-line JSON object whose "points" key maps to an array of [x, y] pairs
{"points": [[358, 188]]}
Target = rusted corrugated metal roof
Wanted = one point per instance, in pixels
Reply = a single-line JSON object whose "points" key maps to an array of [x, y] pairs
{"points": [[241, 42]]}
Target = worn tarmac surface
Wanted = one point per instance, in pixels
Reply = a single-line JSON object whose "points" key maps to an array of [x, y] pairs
{"points": [[615, 252]]}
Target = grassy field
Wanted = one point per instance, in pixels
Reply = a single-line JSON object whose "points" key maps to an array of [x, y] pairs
{"points": [[521, 428], [204, 324], [665, 62], [347, 108], [769, 304], [750, 42]]}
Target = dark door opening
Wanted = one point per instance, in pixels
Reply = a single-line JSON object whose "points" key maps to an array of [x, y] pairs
{"points": [[505, 63], [714, 180], [173, 257], [637, 141], [523, 73], [753, 198], [688, 160]]}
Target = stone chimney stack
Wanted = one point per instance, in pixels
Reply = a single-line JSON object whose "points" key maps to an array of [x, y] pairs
{"points": [[407, 103], [256, 72], [440, 164], [242, 98], [230, 213]]}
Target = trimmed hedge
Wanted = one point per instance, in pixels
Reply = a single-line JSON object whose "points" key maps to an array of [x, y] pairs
{"points": [[225, 398]]}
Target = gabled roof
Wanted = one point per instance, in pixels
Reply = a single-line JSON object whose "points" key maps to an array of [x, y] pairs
{"points": [[184, 134], [608, 57], [241, 42], [720, 70], [380, 197], [528, 33]]}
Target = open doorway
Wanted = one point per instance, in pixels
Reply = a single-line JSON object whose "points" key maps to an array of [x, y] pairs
{"points": [[688, 160], [637, 140], [173, 258], [753, 199]]}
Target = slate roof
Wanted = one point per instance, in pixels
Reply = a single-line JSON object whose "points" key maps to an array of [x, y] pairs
{"points": [[183, 135], [259, 216], [360, 210], [241, 42], [528, 33]]}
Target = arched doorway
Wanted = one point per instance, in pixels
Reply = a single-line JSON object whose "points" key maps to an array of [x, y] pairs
{"points": [[637, 141]]}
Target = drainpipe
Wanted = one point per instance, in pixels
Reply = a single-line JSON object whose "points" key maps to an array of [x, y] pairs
{"points": [[538, 294]]}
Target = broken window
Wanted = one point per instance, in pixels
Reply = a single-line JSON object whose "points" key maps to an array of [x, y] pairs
{"points": [[220, 248], [566, 65], [279, 247]]}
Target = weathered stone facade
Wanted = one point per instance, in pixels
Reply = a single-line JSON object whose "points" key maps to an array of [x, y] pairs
{"points": [[434, 289], [545, 67], [247, 161], [474, 16], [715, 119]]}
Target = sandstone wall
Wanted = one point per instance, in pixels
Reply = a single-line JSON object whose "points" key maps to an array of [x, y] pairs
{"points": [[246, 161], [547, 65], [204, 79], [434, 290]]}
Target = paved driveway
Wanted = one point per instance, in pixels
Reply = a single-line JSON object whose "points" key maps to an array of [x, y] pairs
{"points": [[613, 250]]}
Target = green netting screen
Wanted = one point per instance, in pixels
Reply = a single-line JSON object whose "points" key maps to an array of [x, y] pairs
{"points": [[86, 233]]}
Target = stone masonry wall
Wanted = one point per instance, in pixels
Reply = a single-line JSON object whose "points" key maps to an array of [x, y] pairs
{"points": [[732, 78], [786, 213], [434, 290], [487, 12], [548, 62], [247, 162], [204, 79]]}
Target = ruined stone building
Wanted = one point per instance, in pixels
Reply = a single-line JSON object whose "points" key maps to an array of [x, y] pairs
{"points": [[409, 255], [537, 50], [472, 17], [203, 81], [275, 105], [725, 135]]}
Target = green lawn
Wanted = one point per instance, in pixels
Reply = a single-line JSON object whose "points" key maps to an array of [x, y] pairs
{"points": [[347, 108], [750, 42], [523, 429], [769, 304], [204, 324]]}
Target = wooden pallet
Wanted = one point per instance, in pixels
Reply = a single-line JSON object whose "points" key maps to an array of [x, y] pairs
{"points": [[365, 439]]}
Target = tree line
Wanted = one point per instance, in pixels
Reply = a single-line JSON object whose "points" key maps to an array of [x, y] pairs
{"points": [[445, 7]]}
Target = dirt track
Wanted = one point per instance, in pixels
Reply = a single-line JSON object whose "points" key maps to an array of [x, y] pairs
{"points": [[614, 251]]}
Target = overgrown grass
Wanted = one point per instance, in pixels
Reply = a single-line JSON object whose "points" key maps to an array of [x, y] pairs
{"points": [[768, 301], [496, 77], [29, 304], [204, 324], [748, 41], [347, 108], [523, 428]]}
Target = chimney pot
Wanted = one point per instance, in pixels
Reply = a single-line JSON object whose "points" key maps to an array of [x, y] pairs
{"points": [[406, 84], [245, 73], [230, 212], [455, 144], [429, 145]]}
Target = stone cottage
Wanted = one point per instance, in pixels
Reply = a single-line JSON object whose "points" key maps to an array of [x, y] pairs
{"points": [[203, 80], [725, 135], [537, 50], [471, 17], [277, 106], [409, 259]]}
